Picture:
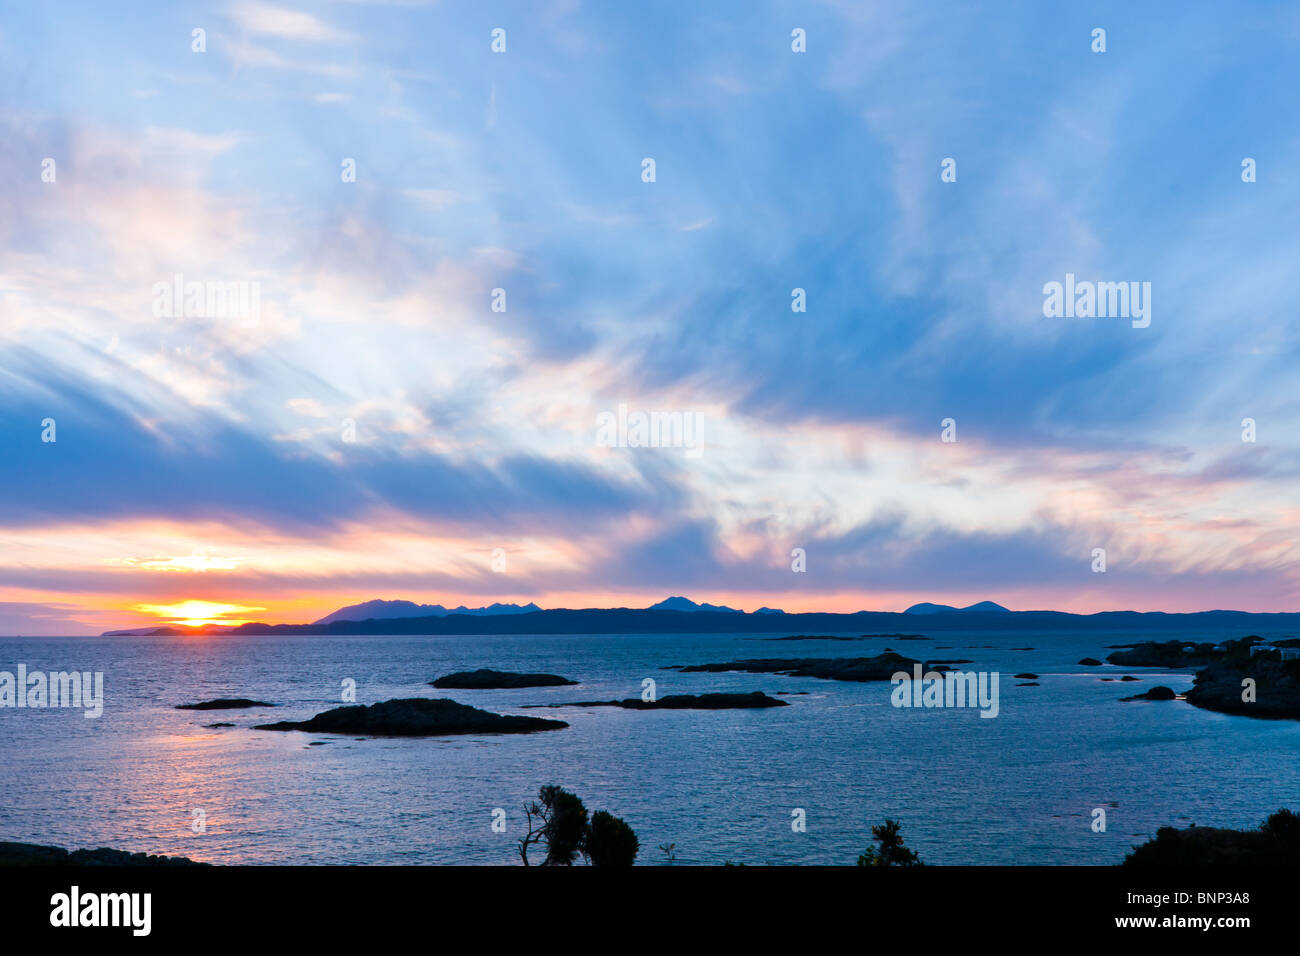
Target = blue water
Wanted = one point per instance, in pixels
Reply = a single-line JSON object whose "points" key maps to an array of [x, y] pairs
{"points": [[721, 785]]}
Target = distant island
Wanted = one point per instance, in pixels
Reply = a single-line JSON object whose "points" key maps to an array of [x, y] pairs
{"points": [[680, 615]]}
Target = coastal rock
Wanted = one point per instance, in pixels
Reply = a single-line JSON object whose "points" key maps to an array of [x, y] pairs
{"points": [[754, 699], [1026, 676], [1218, 687], [1090, 662], [415, 717], [1181, 653], [224, 703], [1159, 692], [33, 854], [881, 667], [486, 679]]}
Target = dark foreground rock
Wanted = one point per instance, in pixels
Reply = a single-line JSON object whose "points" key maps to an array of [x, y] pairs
{"points": [[33, 854], [1159, 692], [485, 679], [753, 699], [1276, 691], [881, 667], [1275, 843], [415, 717], [224, 703]]}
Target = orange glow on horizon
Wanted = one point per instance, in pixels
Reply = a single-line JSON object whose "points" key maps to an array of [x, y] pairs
{"points": [[198, 613]]}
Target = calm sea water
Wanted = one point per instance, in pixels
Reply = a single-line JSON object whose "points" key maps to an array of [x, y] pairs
{"points": [[1019, 788]]}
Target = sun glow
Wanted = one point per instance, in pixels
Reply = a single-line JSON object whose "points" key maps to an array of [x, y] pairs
{"points": [[198, 613]]}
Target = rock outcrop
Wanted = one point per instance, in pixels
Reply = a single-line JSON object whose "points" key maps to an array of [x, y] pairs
{"points": [[1274, 694], [1159, 692], [35, 854], [485, 679], [415, 717], [224, 703]]}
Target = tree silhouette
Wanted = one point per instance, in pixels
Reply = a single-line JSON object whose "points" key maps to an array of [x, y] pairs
{"points": [[558, 820], [610, 841], [891, 852]]}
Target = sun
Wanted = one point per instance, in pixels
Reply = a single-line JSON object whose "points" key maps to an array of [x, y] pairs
{"points": [[198, 613]]}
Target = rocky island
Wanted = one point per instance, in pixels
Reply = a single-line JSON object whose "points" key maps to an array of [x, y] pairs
{"points": [[485, 679], [1246, 677], [415, 717], [1159, 692], [224, 703]]}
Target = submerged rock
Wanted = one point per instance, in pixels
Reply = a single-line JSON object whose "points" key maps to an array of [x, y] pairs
{"points": [[881, 667], [814, 637], [1159, 692], [33, 854], [687, 702], [415, 717], [224, 703], [1026, 676], [485, 679], [1090, 662]]}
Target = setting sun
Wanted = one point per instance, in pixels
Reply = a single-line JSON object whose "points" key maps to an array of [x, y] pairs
{"points": [[197, 613]]}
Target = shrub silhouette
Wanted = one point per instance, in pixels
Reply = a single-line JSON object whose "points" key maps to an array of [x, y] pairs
{"points": [[1276, 842], [558, 821], [892, 852], [610, 841]]}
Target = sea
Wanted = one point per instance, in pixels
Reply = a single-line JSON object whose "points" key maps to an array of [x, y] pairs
{"points": [[1065, 773]]}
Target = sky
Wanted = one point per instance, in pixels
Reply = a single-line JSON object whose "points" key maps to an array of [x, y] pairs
{"points": [[459, 268]]}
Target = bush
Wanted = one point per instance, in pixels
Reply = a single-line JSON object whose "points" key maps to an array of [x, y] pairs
{"points": [[558, 821], [892, 852], [1276, 842], [610, 841]]}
